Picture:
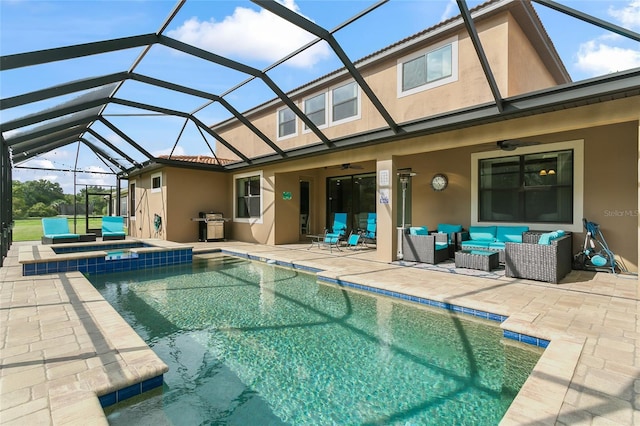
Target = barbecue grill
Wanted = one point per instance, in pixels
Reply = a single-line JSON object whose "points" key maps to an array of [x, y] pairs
{"points": [[210, 226]]}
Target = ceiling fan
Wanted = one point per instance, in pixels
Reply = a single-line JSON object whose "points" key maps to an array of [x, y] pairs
{"points": [[512, 144], [344, 166]]}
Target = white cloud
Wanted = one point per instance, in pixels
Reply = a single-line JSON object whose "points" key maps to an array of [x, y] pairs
{"points": [[597, 58], [253, 35], [40, 164], [629, 16], [450, 10], [177, 151]]}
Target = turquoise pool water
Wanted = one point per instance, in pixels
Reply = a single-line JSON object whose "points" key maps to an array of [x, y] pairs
{"points": [[251, 343]]}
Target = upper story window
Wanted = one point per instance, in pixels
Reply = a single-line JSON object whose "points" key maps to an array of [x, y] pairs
{"points": [[156, 182], [428, 68], [345, 102], [316, 109], [286, 123]]}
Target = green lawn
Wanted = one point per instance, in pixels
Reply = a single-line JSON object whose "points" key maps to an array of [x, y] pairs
{"points": [[31, 229]]}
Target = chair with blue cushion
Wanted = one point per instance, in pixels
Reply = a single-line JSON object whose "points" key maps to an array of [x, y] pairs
{"points": [[355, 240], [339, 228], [369, 234], [420, 246], [56, 230], [113, 228], [540, 256], [452, 232]]}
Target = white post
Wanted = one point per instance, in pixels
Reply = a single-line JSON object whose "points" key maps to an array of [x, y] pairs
{"points": [[405, 175]]}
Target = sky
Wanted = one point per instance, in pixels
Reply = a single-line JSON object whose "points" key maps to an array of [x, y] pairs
{"points": [[244, 32]]}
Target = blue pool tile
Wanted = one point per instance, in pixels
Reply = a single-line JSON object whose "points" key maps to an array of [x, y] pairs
{"points": [[543, 343], [511, 335], [129, 391], [108, 399], [529, 340], [152, 383], [495, 317], [29, 269]]}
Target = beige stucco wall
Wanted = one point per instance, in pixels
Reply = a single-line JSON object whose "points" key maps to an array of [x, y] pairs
{"points": [[526, 72], [191, 192], [184, 193], [147, 204], [470, 89]]}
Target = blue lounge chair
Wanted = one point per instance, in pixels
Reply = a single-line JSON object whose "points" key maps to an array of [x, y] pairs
{"points": [[113, 228], [369, 234], [339, 228], [354, 240], [338, 231], [56, 230]]}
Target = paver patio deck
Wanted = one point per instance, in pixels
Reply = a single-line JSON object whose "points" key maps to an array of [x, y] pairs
{"points": [[61, 343]]}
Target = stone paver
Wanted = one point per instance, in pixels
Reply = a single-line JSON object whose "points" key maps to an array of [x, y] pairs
{"points": [[589, 374]]}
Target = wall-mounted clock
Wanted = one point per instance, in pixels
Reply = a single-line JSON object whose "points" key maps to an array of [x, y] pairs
{"points": [[439, 182]]}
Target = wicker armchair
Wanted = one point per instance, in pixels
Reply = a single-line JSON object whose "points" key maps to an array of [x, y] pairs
{"points": [[423, 248], [533, 261]]}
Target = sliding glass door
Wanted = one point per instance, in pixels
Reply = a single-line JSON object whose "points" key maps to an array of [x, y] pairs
{"points": [[354, 195]]}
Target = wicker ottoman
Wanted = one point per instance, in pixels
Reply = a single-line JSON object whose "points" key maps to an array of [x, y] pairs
{"points": [[483, 260]]}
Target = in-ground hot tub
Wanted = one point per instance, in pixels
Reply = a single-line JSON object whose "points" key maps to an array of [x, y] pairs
{"points": [[102, 257]]}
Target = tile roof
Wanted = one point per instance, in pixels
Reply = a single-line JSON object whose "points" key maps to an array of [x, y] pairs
{"points": [[203, 159]]}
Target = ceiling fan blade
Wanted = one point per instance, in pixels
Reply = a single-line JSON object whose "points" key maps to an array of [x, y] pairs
{"points": [[512, 144]]}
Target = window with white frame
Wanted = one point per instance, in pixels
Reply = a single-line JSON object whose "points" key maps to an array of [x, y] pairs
{"points": [[286, 123], [530, 188], [315, 108], [248, 196], [540, 185], [345, 102], [428, 68], [156, 182]]}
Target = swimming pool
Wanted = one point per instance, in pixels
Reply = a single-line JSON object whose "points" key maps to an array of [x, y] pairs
{"points": [[252, 343]]}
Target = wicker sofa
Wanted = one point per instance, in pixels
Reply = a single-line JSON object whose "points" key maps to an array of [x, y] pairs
{"points": [[420, 246], [541, 262], [492, 238]]}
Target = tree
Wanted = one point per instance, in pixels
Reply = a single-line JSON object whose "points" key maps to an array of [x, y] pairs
{"points": [[41, 210], [36, 198], [97, 203], [41, 191]]}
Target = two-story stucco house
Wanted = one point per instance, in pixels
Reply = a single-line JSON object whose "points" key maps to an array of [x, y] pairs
{"points": [[502, 132]]}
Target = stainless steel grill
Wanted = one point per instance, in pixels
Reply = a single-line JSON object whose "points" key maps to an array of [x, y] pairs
{"points": [[210, 226]]}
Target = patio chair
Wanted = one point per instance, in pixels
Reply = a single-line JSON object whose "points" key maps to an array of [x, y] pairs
{"points": [[331, 240], [355, 240], [535, 259], [113, 228], [56, 230], [420, 246], [369, 234], [339, 228]]}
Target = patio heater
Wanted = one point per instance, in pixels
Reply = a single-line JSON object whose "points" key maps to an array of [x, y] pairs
{"points": [[405, 175]]}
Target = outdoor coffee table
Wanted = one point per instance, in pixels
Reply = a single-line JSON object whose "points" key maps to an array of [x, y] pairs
{"points": [[315, 239], [483, 260]]}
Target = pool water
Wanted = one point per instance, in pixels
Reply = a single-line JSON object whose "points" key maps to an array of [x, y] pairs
{"points": [[252, 343]]}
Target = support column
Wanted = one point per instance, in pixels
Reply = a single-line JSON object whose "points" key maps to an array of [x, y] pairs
{"points": [[386, 189], [638, 215]]}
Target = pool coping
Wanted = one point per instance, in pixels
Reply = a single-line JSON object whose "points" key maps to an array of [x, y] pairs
{"points": [[538, 395]]}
